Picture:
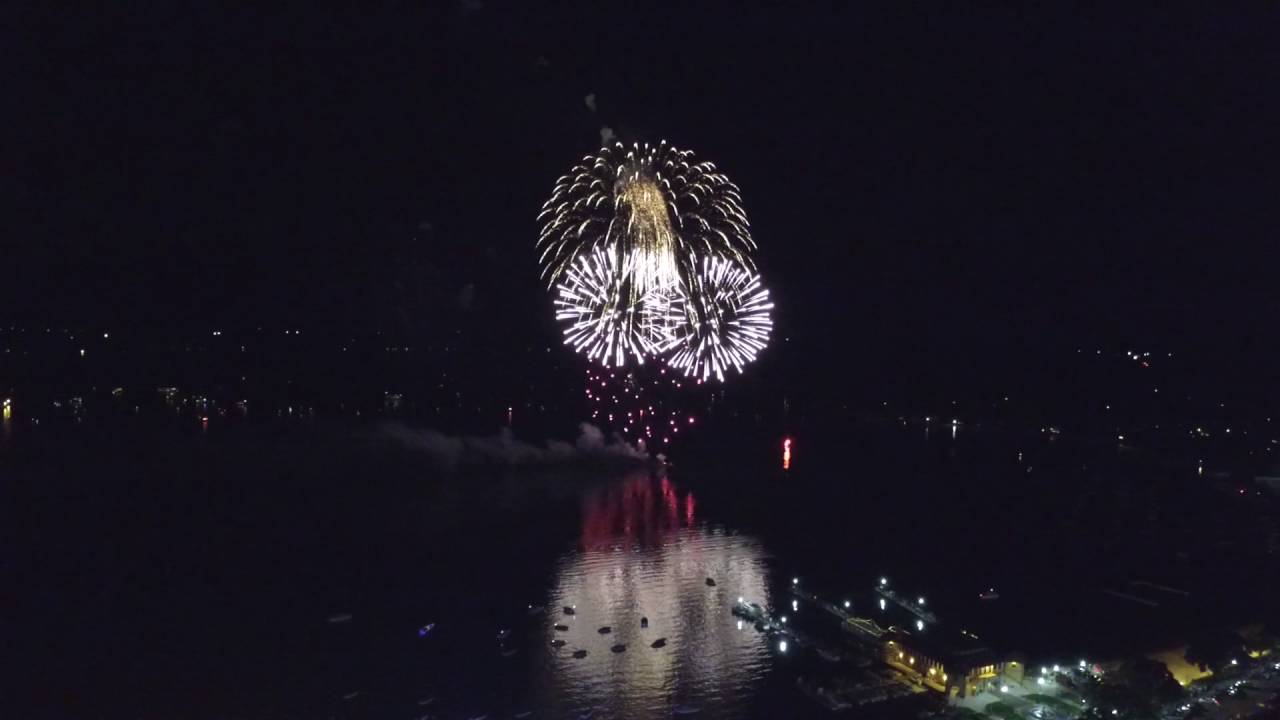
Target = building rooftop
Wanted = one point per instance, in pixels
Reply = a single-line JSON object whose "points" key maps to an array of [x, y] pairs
{"points": [[957, 651]]}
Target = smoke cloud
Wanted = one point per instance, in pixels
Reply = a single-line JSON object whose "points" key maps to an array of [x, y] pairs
{"points": [[452, 452]]}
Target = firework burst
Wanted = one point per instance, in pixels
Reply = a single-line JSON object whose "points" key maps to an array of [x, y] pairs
{"points": [[600, 319], [655, 203], [732, 327], [648, 254]]}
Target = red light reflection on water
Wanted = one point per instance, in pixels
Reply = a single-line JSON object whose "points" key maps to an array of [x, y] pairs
{"points": [[669, 502], [635, 509], [786, 454]]}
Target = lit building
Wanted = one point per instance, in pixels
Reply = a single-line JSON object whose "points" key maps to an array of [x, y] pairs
{"points": [[958, 666]]}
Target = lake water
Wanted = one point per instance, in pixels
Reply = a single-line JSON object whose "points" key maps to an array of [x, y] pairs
{"points": [[154, 572], [168, 574]]}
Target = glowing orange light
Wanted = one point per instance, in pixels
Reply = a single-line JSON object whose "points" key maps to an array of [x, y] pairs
{"points": [[786, 454]]}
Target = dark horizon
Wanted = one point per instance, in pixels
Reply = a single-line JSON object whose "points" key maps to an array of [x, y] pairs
{"points": [[971, 180]]}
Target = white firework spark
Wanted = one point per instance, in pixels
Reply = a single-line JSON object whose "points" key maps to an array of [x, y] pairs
{"points": [[602, 320], [733, 323]]}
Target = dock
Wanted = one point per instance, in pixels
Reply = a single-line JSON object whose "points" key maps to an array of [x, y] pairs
{"points": [[915, 608], [859, 676]]}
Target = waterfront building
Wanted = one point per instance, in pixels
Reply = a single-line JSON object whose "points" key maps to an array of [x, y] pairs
{"points": [[957, 666]]}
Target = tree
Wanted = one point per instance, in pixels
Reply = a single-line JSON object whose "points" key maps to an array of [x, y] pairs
{"points": [[1136, 689], [1214, 650], [1148, 679]]}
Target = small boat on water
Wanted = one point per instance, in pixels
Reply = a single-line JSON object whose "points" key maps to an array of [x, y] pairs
{"points": [[579, 654], [644, 622], [660, 642], [605, 630], [685, 710], [535, 609], [619, 648], [562, 628], [557, 643], [830, 656], [503, 633], [711, 583], [568, 610], [990, 594], [749, 611]]}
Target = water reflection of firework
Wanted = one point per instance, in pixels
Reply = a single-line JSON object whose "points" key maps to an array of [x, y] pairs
{"points": [[644, 554]]}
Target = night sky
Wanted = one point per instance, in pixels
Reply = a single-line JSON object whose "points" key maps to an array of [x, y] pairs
{"points": [[960, 180]]}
